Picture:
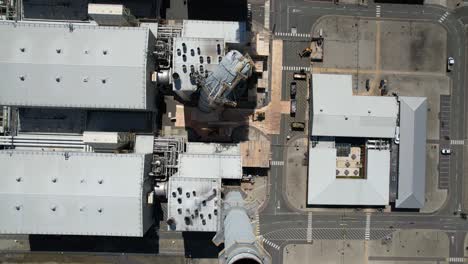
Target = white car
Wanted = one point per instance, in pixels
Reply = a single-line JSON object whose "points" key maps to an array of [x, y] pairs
{"points": [[451, 61], [397, 135], [446, 151]]}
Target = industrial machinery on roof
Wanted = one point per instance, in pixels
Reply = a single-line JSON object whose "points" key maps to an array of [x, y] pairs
{"points": [[101, 176], [226, 82]]}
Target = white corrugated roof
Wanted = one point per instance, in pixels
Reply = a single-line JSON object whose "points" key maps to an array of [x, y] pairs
{"points": [[336, 112], [184, 61], [325, 189], [213, 148], [84, 66], [412, 153], [195, 194], [73, 193], [210, 166], [230, 31]]}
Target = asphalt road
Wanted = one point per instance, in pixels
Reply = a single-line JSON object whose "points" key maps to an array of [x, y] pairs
{"points": [[281, 224]]}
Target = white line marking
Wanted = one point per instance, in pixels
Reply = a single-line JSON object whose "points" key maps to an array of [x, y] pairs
{"points": [[271, 244], [257, 220], [457, 142], [443, 17], [277, 163], [295, 35], [296, 68], [367, 234], [309, 228], [455, 259]]}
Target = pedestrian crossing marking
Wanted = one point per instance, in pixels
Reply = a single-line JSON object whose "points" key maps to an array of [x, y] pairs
{"points": [[294, 35], [457, 142], [309, 228], [257, 226], [277, 163], [296, 68], [377, 11], [455, 259], [271, 244], [367, 233], [443, 17]]}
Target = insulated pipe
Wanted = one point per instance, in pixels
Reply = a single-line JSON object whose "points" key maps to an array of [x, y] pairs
{"points": [[240, 243]]}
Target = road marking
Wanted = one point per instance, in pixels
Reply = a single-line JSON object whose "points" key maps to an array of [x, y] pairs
{"points": [[457, 142], [271, 244], [309, 228], [277, 163], [296, 68], [257, 227], [377, 11], [367, 234], [443, 17], [354, 71], [293, 35], [455, 259], [267, 14]]}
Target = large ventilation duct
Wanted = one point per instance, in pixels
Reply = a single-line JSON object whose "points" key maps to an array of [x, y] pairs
{"points": [[240, 243]]}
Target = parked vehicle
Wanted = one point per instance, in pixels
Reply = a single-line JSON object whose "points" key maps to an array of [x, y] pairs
{"points": [[383, 84], [293, 107], [446, 151], [298, 126], [293, 90], [300, 75], [463, 216], [397, 135], [450, 63]]}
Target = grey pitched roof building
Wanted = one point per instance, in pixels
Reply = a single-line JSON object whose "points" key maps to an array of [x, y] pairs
{"points": [[76, 66], [74, 193], [412, 160]]}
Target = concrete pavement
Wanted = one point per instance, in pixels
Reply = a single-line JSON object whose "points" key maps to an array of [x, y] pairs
{"points": [[282, 224]]}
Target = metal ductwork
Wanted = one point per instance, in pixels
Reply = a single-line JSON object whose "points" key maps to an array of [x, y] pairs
{"points": [[240, 243]]}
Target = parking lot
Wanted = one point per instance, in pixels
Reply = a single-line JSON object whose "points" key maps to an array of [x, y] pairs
{"points": [[444, 116], [444, 132], [444, 170]]}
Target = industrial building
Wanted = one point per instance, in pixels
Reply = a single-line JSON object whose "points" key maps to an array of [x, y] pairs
{"points": [[62, 78], [200, 62], [74, 193], [76, 66], [191, 55], [352, 137], [194, 192], [232, 32], [412, 152], [337, 113], [348, 180]]}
